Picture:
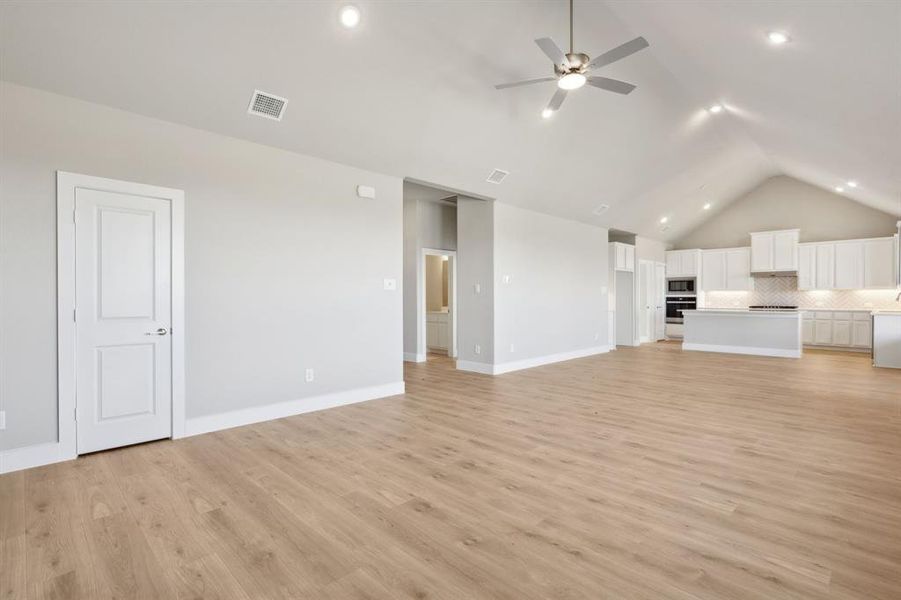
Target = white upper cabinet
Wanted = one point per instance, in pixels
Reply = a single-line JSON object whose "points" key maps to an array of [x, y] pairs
{"points": [[623, 256], [738, 269], [847, 265], [774, 251], [879, 263], [683, 263], [728, 269]]}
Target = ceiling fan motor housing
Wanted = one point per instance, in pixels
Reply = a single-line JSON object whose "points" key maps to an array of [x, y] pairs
{"points": [[577, 63]]}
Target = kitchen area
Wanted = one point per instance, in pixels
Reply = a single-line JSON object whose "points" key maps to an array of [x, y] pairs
{"points": [[777, 296]]}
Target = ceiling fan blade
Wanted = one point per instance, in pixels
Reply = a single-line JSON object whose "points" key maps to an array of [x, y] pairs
{"points": [[619, 52], [557, 100], [504, 86], [611, 85], [553, 51]]}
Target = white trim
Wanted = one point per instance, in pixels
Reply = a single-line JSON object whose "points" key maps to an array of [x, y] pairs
{"points": [[528, 363], [422, 313], [757, 351], [268, 412], [414, 357], [31, 456], [475, 367], [66, 184]]}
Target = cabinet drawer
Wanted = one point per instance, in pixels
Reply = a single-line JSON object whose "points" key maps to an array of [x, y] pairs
{"points": [[842, 316], [862, 316], [823, 314], [809, 314]]}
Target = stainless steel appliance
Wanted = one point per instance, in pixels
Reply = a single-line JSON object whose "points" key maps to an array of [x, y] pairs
{"points": [[680, 286], [676, 304]]}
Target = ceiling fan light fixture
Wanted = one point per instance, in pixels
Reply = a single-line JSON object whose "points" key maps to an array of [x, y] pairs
{"points": [[571, 81]]}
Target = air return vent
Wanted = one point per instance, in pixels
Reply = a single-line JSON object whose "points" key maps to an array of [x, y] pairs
{"points": [[267, 105], [497, 176]]}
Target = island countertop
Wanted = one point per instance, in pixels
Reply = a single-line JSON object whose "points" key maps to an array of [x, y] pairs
{"points": [[732, 312]]}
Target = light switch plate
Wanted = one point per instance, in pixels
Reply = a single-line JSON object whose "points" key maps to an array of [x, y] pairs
{"points": [[390, 284], [478, 349], [308, 375], [477, 288], [508, 278]]}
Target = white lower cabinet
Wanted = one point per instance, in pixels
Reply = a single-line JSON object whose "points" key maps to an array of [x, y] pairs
{"points": [[840, 329]]}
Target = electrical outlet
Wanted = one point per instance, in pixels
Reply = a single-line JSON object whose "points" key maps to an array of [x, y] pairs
{"points": [[308, 375], [2, 419], [390, 284], [508, 279], [478, 349]]}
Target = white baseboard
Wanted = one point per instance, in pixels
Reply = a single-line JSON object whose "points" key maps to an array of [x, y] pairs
{"points": [[475, 367], [778, 352], [31, 456], [268, 412], [528, 363], [413, 357]]}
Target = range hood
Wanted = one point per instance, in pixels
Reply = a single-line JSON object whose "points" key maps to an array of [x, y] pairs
{"points": [[762, 274]]}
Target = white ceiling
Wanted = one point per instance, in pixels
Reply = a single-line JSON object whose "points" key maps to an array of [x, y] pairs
{"points": [[410, 92]]}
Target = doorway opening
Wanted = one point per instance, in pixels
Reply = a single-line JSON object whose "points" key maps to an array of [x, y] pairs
{"points": [[440, 314]]}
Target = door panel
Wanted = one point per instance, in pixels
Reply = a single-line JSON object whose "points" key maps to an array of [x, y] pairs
{"points": [[123, 304]]}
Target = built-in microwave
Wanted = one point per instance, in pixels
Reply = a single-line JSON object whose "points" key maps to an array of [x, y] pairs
{"points": [[680, 286]]}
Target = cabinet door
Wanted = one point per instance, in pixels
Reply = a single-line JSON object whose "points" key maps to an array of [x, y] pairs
{"points": [[807, 331], [785, 251], [713, 270], [879, 263], [762, 252], [630, 258], [620, 252], [841, 333], [807, 267], [690, 260], [673, 264], [849, 265], [822, 332], [738, 269], [825, 267], [861, 336]]}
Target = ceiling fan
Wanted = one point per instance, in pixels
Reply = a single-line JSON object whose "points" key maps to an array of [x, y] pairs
{"points": [[570, 69]]}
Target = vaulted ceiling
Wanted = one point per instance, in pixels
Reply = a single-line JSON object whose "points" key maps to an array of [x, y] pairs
{"points": [[410, 92]]}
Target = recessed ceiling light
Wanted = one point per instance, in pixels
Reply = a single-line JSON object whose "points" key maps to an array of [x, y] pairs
{"points": [[350, 16], [547, 113], [707, 206], [571, 81], [852, 184], [777, 38], [716, 108], [839, 189], [664, 219]]}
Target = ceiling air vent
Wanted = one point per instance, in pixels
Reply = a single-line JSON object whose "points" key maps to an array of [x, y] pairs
{"points": [[267, 105], [497, 176]]}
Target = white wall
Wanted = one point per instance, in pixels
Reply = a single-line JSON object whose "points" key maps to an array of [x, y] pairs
{"points": [[556, 299], [284, 264], [783, 202], [475, 266]]}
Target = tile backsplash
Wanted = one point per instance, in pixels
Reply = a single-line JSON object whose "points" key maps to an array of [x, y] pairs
{"points": [[784, 291]]}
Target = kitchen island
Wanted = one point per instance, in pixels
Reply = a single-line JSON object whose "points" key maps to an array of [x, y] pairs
{"points": [[758, 332]]}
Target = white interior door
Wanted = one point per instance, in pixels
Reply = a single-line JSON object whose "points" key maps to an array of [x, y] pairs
{"points": [[660, 301], [123, 280], [645, 298]]}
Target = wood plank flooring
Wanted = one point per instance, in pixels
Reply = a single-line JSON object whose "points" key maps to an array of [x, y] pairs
{"points": [[647, 473]]}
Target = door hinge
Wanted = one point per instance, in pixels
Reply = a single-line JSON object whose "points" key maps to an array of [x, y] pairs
{"points": [[75, 415], [74, 313], [74, 212]]}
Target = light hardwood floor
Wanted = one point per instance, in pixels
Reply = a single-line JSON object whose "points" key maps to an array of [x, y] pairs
{"points": [[643, 474]]}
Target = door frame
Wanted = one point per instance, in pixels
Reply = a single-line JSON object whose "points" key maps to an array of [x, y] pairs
{"points": [[421, 343], [66, 184]]}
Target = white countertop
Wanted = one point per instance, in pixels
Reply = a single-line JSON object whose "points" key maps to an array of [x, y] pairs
{"points": [[744, 312], [886, 312]]}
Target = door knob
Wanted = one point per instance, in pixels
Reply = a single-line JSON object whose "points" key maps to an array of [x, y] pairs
{"points": [[160, 331]]}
